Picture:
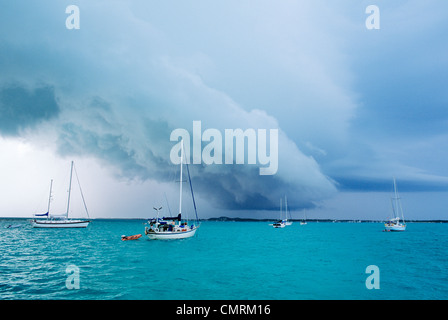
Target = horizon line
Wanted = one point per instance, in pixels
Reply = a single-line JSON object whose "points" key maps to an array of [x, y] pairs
{"points": [[236, 219]]}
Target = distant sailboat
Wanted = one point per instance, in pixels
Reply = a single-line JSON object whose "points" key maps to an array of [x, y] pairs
{"points": [[303, 222], [173, 227], [281, 223], [60, 221], [394, 224]]}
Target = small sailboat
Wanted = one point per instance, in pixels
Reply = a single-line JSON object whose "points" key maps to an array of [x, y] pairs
{"points": [[303, 222], [60, 221], [394, 224], [281, 223], [173, 227]]}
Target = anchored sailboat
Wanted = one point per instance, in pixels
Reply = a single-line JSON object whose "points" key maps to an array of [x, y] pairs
{"points": [[173, 227], [61, 221], [303, 222], [394, 224], [281, 223]]}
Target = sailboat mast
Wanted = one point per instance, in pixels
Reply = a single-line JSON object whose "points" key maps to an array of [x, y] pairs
{"points": [[398, 203], [286, 208], [49, 198], [69, 188], [180, 180], [192, 193], [396, 200], [280, 208]]}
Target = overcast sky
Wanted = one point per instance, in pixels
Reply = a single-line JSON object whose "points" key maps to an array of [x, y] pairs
{"points": [[353, 107]]}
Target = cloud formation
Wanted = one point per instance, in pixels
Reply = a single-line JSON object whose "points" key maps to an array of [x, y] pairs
{"points": [[21, 109], [341, 96], [125, 80]]}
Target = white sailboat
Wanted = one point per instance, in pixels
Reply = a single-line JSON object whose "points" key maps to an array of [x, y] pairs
{"points": [[281, 223], [60, 221], [394, 224], [303, 222], [173, 227]]}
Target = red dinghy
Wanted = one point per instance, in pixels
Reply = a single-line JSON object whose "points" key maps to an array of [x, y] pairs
{"points": [[134, 237]]}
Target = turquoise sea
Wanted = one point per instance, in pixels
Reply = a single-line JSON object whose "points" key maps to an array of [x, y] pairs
{"points": [[225, 260]]}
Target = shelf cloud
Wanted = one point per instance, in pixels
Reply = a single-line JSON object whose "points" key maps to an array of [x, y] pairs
{"points": [[340, 96]]}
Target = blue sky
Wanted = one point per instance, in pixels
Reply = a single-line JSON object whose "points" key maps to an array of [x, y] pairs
{"points": [[354, 107]]}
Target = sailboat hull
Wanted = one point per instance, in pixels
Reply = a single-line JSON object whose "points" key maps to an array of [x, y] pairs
{"points": [[281, 224], [395, 227], [60, 224], [168, 235]]}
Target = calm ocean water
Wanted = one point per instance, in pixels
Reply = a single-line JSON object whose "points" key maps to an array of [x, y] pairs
{"points": [[225, 260]]}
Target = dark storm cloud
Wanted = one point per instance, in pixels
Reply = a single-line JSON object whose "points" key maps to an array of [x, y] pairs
{"points": [[354, 107], [21, 108]]}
